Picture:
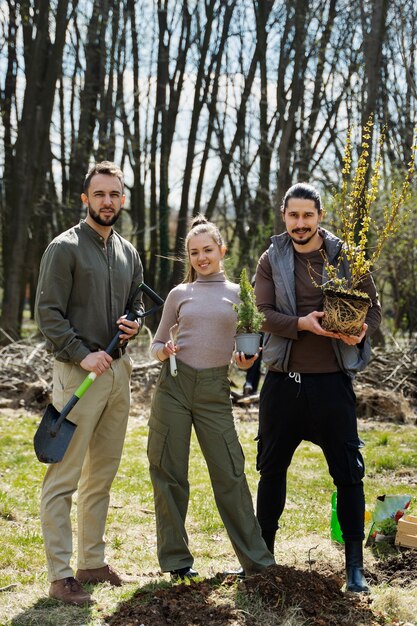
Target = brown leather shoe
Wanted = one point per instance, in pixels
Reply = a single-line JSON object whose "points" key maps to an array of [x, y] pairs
{"points": [[105, 574], [69, 590]]}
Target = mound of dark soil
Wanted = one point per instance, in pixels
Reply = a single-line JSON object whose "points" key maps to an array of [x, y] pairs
{"points": [[193, 604], [398, 569], [316, 597]]}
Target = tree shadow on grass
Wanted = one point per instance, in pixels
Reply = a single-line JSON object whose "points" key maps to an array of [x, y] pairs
{"points": [[49, 612]]}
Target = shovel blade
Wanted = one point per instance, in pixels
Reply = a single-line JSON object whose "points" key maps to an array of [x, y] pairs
{"points": [[50, 442]]}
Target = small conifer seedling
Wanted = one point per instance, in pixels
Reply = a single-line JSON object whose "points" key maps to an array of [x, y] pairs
{"points": [[249, 319]]}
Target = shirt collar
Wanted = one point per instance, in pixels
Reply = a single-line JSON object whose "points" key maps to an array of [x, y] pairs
{"points": [[93, 233]]}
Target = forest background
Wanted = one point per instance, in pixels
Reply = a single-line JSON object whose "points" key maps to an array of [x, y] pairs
{"points": [[213, 106]]}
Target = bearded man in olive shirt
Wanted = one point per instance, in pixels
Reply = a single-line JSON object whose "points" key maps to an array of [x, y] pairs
{"points": [[88, 276], [307, 393]]}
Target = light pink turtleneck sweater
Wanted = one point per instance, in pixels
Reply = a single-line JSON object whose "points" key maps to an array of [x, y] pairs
{"points": [[206, 318]]}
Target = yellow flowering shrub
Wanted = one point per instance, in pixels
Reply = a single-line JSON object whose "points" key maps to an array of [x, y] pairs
{"points": [[364, 235]]}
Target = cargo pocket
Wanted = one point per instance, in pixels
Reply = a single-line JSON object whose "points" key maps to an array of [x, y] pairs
{"points": [[235, 451], [355, 460], [157, 440]]}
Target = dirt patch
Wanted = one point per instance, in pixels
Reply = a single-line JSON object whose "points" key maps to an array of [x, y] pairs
{"points": [[316, 597], [383, 405], [193, 604], [398, 570]]}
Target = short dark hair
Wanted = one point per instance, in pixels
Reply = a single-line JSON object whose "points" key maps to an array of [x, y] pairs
{"points": [[304, 191], [105, 167]]}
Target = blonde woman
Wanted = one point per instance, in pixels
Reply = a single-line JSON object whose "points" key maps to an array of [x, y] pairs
{"points": [[198, 396]]}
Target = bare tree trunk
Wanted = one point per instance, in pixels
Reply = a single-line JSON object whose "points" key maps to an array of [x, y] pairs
{"points": [[373, 38], [200, 100], [164, 125], [261, 207], [240, 125], [169, 119], [212, 111], [161, 89], [198, 104], [28, 170], [286, 146], [93, 82], [306, 151], [107, 114], [7, 107], [137, 196]]}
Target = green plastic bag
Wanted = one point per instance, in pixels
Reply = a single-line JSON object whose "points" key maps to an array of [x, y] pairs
{"points": [[335, 530]]}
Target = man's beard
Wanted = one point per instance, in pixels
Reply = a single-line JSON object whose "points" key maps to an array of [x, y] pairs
{"points": [[99, 220], [303, 242]]}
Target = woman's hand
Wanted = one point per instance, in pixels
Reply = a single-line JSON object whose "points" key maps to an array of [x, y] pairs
{"points": [[242, 362], [169, 348]]}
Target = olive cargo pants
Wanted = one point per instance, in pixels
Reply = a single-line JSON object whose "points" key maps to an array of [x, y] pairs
{"points": [[89, 464], [199, 398]]}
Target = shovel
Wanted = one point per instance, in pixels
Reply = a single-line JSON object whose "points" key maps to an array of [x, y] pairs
{"points": [[55, 431]]}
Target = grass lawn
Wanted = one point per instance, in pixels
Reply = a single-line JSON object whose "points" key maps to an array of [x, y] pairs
{"points": [[391, 458]]}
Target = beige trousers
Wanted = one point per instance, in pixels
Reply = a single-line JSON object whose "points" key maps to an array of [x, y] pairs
{"points": [[89, 464]]}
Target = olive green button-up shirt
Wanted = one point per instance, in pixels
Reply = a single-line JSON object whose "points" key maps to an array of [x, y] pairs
{"points": [[85, 285]]}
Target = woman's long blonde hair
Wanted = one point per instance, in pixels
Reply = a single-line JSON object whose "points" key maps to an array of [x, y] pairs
{"points": [[199, 225]]}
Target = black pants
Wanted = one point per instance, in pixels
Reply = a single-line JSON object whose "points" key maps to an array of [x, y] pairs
{"points": [[319, 408], [253, 375]]}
